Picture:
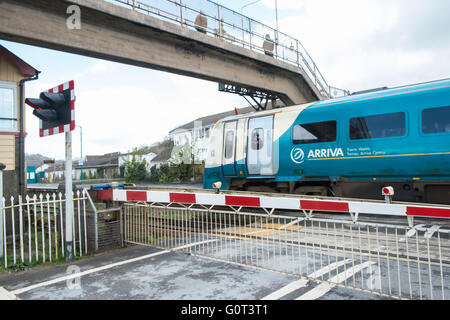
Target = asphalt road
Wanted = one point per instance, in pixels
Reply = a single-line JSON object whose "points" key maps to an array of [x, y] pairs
{"points": [[146, 273]]}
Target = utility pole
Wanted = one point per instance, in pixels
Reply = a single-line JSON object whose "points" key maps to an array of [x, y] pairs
{"points": [[2, 213], [69, 204], [276, 34], [81, 155]]}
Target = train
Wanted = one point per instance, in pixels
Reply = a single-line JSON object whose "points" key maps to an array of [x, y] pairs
{"points": [[349, 147]]}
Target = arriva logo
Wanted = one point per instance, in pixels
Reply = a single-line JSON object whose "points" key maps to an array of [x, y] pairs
{"points": [[325, 153], [297, 155]]}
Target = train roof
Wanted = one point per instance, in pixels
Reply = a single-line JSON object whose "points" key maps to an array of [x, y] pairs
{"points": [[389, 92], [366, 95]]}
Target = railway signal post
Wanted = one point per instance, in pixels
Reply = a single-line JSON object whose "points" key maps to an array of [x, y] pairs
{"points": [[56, 110]]}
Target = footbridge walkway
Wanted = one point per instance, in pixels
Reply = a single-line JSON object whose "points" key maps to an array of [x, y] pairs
{"points": [[200, 39]]}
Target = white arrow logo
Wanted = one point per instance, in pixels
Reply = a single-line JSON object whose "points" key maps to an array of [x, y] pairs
{"points": [[297, 155]]}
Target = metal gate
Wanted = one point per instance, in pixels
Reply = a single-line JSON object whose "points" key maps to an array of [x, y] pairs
{"points": [[388, 260]]}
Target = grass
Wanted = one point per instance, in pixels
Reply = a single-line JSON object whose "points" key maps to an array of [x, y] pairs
{"points": [[26, 264]]}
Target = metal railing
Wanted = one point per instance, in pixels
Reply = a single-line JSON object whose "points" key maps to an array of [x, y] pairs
{"points": [[388, 260], [32, 229], [236, 28]]}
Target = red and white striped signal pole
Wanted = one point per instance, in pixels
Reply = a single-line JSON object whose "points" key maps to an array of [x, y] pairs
{"points": [[56, 111]]}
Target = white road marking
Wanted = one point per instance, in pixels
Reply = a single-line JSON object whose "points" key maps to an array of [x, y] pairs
{"points": [[302, 282], [6, 295], [323, 288], [109, 266]]}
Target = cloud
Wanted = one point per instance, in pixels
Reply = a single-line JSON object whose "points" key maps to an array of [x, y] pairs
{"points": [[360, 44]]}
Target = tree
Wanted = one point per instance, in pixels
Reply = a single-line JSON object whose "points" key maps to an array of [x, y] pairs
{"points": [[135, 169]]}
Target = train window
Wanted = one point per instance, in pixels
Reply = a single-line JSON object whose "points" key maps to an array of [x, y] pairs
{"points": [[314, 132], [257, 139], [229, 144], [378, 126], [436, 120]]}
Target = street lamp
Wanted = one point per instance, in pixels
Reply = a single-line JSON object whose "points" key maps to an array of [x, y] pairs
{"points": [[242, 18], [276, 34], [248, 4], [81, 157]]}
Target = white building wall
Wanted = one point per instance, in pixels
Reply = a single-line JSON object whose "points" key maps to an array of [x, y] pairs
{"points": [[200, 136]]}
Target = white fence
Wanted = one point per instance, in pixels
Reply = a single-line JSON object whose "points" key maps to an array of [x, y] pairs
{"points": [[32, 229]]}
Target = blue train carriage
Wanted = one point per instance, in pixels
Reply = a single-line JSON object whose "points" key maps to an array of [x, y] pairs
{"points": [[347, 147]]}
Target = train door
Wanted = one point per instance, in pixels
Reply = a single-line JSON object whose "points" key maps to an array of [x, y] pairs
{"points": [[229, 149], [259, 146]]}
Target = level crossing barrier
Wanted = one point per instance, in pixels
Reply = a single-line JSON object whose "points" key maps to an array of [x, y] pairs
{"points": [[379, 256], [304, 204]]}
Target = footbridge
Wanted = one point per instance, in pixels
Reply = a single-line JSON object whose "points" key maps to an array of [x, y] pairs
{"points": [[209, 42]]}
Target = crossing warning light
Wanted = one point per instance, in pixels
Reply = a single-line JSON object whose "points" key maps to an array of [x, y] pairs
{"points": [[55, 108], [388, 191]]}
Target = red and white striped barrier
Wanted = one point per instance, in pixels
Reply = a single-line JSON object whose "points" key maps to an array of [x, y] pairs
{"points": [[208, 199]]}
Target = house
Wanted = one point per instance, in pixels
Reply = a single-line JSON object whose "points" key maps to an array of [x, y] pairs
{"points": [[162, 158], [14, 72], [102, 166], [52, 173], [199, 131], [147, 156]]}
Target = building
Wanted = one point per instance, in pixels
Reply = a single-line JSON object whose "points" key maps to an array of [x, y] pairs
{"points": [[98, 167], [161, 158], [52, 173], [147, 156], [14, 72], [199, 132], [31, 174]]}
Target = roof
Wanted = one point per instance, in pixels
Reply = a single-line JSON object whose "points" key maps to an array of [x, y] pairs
{"points": [[34, 163], [136, 153], [212, 119], [383, 93], [25, 69], [54, 168], [367, 95], [103, 160], [164, 155]]}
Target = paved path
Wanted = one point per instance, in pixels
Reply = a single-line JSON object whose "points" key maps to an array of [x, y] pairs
{"points": [[145, 273]]}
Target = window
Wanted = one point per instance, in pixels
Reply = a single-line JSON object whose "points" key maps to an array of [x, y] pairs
{"points": [[257, 139], [436, 120], [378, 126], [8, 108], [229, 144], [314, 132]]}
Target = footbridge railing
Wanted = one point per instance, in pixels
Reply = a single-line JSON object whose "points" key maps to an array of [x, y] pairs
{"points": [[218, 21]]}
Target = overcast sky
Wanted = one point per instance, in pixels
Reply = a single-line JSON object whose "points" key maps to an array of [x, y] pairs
{"points": [[356, 44]]}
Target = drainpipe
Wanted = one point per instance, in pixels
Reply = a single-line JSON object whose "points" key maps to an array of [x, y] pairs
{"points": [[21, 135]]}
